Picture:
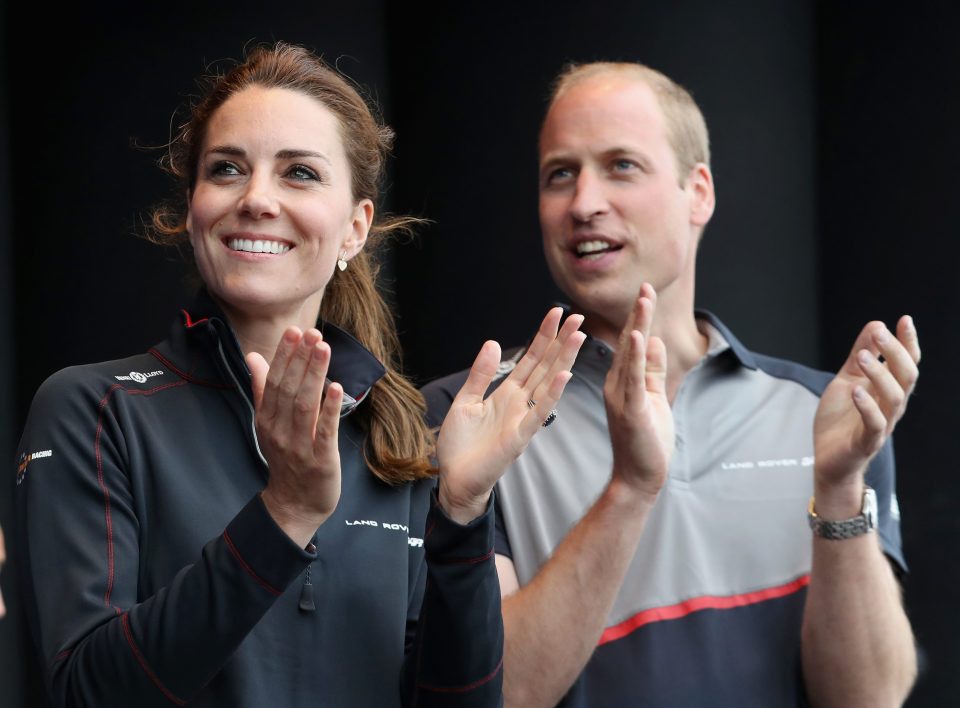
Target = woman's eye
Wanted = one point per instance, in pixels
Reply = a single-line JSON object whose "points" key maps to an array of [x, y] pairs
{"points": [[302, 172], [224, 169], [559, 175]]}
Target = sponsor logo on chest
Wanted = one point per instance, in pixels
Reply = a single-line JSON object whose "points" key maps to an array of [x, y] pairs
{"points": [[388, 526]]}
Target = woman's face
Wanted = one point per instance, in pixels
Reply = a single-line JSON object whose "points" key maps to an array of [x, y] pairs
{"points": [[272, 208]]}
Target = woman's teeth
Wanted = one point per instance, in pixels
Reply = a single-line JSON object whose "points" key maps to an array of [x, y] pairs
{"points": [[249, 246]]}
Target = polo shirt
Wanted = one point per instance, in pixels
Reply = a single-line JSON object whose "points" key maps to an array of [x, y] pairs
{"points": [[710, 610]]}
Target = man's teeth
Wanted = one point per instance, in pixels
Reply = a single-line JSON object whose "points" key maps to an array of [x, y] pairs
{"points": [[592, 249], [245, 244]]}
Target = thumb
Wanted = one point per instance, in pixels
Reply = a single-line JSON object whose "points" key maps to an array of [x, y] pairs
{"points": [[259, 368]]}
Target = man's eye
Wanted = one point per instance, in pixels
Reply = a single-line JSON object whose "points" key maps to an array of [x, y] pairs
{"points": [[625, 165], [302, 172]]}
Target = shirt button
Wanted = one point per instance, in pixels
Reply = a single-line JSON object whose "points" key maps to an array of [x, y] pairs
{"points": [[602, 351]]}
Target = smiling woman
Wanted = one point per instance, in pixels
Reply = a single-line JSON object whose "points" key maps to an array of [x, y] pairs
{"points": [[273, 447]]}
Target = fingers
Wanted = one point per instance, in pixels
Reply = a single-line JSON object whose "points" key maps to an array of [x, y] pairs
{"points": [[559, 356], [549, 386], [278, 367], [306, 402], [893, 379], [634, 374], [545, 401], [640, 319], [907, 334], [481, 373], [656, 369], [258, 374], [874, 421], [328, 423], [541, 343]]}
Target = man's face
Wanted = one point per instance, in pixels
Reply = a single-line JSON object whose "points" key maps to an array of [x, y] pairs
{"points": [[613, 211]]}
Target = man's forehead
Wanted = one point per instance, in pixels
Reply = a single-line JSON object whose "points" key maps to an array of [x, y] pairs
{"points": [[611, 109]]}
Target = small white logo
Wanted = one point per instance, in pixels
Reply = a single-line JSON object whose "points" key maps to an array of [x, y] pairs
{"points": [[138, 377], [806, 461], [26, 459], [388, 526]]}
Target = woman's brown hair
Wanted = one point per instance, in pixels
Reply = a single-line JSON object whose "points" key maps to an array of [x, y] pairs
{"points": [[399, 444]]}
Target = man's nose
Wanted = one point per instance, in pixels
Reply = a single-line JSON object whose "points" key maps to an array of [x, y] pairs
{"points": [[590, 198]]}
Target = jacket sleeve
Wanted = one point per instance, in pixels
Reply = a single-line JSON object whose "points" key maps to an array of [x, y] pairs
{"points": [[456, 657], [102, 644]]}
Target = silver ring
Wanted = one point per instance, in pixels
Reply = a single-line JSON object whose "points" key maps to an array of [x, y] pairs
{"points": [[552, 416], [531, 403]]}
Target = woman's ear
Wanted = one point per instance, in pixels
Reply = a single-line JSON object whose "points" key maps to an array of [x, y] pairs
{"points": [[360, 228]]}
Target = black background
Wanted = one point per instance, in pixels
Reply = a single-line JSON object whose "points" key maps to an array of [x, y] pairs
{"points": [[834, 133]]}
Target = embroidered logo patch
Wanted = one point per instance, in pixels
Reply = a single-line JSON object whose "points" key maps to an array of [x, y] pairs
{"points": [[26, 459], [138, 377]]}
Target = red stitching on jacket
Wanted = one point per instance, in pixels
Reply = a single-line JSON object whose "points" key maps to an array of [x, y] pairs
{"points": [[104, 402], [136, 652], [62, 655], [243, 564], [184, 375], [106, 493], [463, 689], [190, 322]]}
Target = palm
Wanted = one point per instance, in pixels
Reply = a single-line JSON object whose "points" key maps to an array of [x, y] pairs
{"points": [[481, 436], [479, 439]]}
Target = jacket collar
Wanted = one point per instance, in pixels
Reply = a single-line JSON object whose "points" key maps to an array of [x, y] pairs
{"points": [[351, 364]]}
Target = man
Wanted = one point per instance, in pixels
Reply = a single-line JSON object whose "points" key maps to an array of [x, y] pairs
{"points": [[688, 575]]}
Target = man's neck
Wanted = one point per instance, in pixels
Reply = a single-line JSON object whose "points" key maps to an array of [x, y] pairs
{"points": [[676, 325]]}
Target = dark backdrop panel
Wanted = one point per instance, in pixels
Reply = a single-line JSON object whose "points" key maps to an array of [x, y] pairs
{"points": [[470, 88], [891, 106]]}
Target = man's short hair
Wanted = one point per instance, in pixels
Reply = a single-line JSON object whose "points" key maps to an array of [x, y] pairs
{"points": [[686, 127]]}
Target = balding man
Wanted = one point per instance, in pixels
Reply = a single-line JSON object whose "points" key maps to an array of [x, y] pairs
{"points": [[701, 525]]}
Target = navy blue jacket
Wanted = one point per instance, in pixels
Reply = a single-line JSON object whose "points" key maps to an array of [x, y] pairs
{"points": [[155, 576]]}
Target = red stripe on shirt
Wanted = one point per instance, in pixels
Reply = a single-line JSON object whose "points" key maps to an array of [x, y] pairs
{"points": [[695, 604]]}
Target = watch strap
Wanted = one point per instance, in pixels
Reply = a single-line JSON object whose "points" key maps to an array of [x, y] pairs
{"points": [[847, 528]]}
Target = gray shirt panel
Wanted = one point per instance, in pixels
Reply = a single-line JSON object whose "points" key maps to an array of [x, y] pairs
{"points": [[740, 479]]}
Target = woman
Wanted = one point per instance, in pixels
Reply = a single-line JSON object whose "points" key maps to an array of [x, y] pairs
{"points": [[201, 526]]}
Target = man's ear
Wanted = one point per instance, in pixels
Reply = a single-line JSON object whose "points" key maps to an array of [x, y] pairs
{"points": [[359, 228], [703, 200]]}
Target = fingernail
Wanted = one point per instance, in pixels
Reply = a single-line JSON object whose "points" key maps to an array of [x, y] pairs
{"points": [[881, 337], [859, 393], [910, 324], [864, 357]]}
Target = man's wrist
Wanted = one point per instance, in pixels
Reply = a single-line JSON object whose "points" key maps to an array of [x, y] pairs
{"points": [[836, 530]]}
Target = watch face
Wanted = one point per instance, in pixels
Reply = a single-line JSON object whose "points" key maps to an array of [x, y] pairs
{"points": [[870, 507]]}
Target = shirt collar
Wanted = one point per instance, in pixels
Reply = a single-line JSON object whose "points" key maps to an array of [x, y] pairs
{"points": [[721, 339]]}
